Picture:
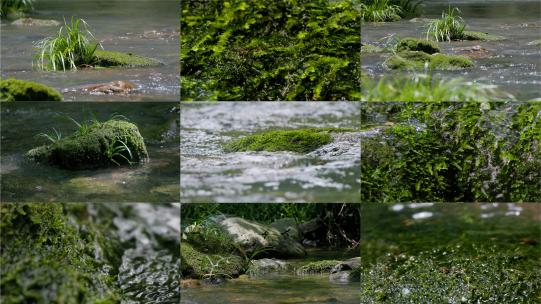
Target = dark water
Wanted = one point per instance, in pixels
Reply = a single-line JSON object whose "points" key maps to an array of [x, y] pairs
{"points": [[144, 27], [209, 174], [154, 181], [514, 67]]}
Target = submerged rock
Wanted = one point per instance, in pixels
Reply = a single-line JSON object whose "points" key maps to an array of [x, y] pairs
{"points": [[113, 87], [22, 90], [102, 144], [120, 59], [472, 35], [418, 60], [35, 22]]}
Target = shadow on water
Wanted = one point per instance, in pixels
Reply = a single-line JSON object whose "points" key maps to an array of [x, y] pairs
{"points": [[23, 180]]}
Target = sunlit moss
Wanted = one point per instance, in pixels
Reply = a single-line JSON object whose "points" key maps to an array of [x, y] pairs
{"points": [[22, 90]]}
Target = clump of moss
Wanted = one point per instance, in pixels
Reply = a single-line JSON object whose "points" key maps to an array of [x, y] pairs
{"points": [[22, 90], [472, 35], [368, 48], [413, 44], [324, 266], [418, 60], [100, 144], [300, 141], [121, 59], [195, 264]]}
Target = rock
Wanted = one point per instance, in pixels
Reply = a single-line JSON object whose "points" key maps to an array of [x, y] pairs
{"points": [[346, 271], [474, 52], [22, 90], [422, 45], [113, 87], [102, 144], [35, 22], [120, 59], [195, 264], [471, 35], [265, 266], [324, 266], [418, 60], [189, 283], [253, 236]]}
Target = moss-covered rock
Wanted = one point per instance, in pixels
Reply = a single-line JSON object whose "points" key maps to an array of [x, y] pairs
{"points": [[300, 141], [121, 59], [418, 60], [472, 35], [324, 266], [22, 90], [101, 144], [422, 45], [195, 264], [369, 48]]}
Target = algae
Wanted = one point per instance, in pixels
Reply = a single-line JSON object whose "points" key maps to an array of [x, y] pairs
{"points": [[196, 264], [22, 90]]}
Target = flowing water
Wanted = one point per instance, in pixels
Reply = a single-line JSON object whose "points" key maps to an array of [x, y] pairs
{"points": [[329, 174], [513, 66], [280, 287], [144, 27], [154, 181]]}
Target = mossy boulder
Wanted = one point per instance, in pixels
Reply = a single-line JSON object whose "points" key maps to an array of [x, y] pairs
{"points": [[22, 90], [318, 267], [102, 144], [418, 60], [121, 59], [196, 264], [300, 141], [472, 35], [422, 45]]}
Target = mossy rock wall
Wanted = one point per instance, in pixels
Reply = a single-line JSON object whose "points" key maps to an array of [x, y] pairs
{"points": [[89, 150], [22, 90]]}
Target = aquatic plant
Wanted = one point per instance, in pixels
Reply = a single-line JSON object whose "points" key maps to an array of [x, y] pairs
{"points": [[380, 11], [450, 27], [72, 47], [51, 137], [14, 6], [22, 90], [270, 50]]}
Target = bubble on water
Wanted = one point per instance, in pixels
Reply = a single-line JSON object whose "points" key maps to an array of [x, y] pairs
{"points": [[397, 207], [422, 215]]}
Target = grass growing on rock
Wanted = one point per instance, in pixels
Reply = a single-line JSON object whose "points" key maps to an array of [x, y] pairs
{"points": [[450, 27], [300, 141], [22, 90]]}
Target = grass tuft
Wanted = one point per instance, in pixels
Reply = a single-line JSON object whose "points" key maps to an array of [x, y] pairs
{"points": [[450, 27], [380, 11]]}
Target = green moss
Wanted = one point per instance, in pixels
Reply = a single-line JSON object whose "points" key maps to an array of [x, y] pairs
{"points": [[418, 60], [324, 266], [422, 45], [47, 258], [300, 141], [196, 264], [21, 90], [471, 35], [368, 48], [89, 149], [120, 59]]}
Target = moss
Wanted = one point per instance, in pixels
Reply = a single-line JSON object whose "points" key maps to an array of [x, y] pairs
{"points": [[324, 266], [368, 48], [472, 35], [89, 149], [195, 264], [47, 258], [120, 59], [300, 141], [417, 60], [421, 45], [21, 90]]}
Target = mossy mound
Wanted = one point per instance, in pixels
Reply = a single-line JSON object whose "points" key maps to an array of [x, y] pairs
{"points": [[300, 141], [47, 258], [102, 144], [324, 266], [422, 45], [369, 49], [195, 264], [472, 35], [120, 59], [22, 90], [418, 60]]}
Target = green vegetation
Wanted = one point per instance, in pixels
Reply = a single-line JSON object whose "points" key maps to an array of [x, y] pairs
{"points": [[300, 141], [15, 7], [450, 27], [47, 258], [73, 46], [471, 35], [270, 50], [380, 11], [421, 60], [454, 257], [324, 266], [22, 90], [208, 266], [119, 59], [94, 144], [413, 44], [455, 152]]}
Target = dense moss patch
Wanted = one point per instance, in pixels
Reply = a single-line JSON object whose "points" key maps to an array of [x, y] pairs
{"points": [[121, 59], [22, 90], [422, 45], [196, 264], [418, 60], [300, 141], [101, 144], [472, 35], [270, 50]]}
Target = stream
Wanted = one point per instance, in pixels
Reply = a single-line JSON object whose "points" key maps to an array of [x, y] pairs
{"points": [[513, 66], [144, 27], [209, 175]]}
